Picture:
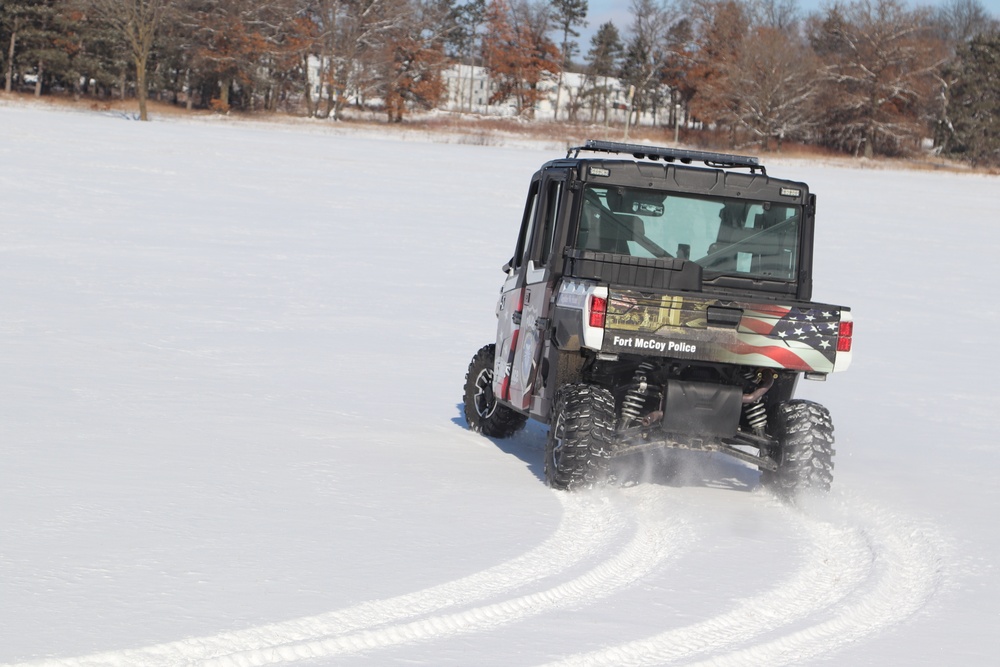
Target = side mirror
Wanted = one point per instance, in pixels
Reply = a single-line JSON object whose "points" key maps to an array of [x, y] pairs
{"points": [[509, 266]]}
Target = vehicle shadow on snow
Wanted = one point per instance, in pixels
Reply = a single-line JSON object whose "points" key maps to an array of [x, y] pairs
{"points": [[667, 467], [528, 444]]}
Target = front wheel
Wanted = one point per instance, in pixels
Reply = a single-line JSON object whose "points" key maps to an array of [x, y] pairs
{"points": [[578, 450], [804, 432], [482, 410]]}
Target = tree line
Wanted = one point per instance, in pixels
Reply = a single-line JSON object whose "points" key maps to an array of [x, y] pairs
{"points": [[866, 77]]}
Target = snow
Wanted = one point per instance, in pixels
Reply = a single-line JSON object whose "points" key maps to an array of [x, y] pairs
{"points": [[232, 357]]}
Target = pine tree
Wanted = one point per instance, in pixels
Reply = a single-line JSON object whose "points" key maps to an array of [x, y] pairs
{"points": [[32, 30], [15, 19], [568, 15], [974, 102], [465, 39], [602, 64]]}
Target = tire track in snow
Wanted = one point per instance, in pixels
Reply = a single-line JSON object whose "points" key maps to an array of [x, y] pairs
{"points": [[587, 527], [654, 542], [909, 569], [870, 572]]}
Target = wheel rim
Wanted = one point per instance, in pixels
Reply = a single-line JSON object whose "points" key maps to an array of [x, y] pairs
{"points": [[485, 400]]}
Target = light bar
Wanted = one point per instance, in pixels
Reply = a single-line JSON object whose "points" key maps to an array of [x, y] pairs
{"points": [[640, 152]]}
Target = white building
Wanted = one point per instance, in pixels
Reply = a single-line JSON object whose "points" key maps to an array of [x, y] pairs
{"points": [[468, 89], [581, 98]]}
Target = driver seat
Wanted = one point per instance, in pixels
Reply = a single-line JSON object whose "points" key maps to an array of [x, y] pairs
{"points": [[614, 235]]}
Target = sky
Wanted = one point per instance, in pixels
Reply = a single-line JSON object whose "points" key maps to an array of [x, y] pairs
{"points": [[617, 11]]}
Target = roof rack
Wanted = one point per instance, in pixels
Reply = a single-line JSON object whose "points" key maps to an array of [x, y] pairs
{"points": [[639, 152]]}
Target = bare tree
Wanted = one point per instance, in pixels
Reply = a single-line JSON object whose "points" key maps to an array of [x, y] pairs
{"points": [[880, 66], [775, 78], [518, 53], [137, 22], [960, 20], [754, 73], [721, 27], [781, 15], [648, 49], [352, 34], [414, 56]]}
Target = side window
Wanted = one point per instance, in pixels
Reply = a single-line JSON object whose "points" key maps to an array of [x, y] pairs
{"points": [[527, 227], [553, 202]]}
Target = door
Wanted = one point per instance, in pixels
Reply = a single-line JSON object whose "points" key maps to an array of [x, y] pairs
{"points": [[511, 304], [524, 303]]}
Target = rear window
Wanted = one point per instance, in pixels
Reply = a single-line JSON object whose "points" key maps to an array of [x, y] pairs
{"points": [[724, 236]]}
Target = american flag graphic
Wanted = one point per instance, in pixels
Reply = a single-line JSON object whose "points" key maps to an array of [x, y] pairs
{"points": [[795, 338]]}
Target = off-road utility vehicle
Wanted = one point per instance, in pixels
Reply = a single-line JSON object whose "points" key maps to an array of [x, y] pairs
{"points": [[653, 303]]}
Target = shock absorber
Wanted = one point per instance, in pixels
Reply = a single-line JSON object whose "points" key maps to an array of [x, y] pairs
{"points": [[635, 398], [753, 406], [756, 415]]}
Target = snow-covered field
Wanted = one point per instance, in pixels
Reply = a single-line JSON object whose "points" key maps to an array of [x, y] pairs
{"points": [[231, 358]]}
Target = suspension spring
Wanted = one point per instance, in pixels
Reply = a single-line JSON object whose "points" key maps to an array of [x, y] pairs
{"points": [[635, 399], [756, 415]]}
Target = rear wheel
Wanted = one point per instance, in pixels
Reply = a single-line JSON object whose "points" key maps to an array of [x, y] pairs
{"points": [[578, 450], [482, 410], [804, 432]]}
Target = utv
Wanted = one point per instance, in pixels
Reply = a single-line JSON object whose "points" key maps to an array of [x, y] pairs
{"points": [[652, 303]]}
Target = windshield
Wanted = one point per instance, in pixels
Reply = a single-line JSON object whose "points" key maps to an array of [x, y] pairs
{"points": [[732, 236]]}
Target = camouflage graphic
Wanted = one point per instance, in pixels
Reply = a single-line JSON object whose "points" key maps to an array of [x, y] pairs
{"points": [[752, 334]]}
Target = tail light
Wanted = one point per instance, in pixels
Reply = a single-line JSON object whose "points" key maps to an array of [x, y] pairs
{"points": [[846, 334], [598, 309]]}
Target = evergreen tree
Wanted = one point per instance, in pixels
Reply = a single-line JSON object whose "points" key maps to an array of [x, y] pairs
{"points": [[567, 16], [465, 41], [602, 64], [677, 70], [16, 20], [32, 32], [605, 50], [974, 102], [462, 35]]}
